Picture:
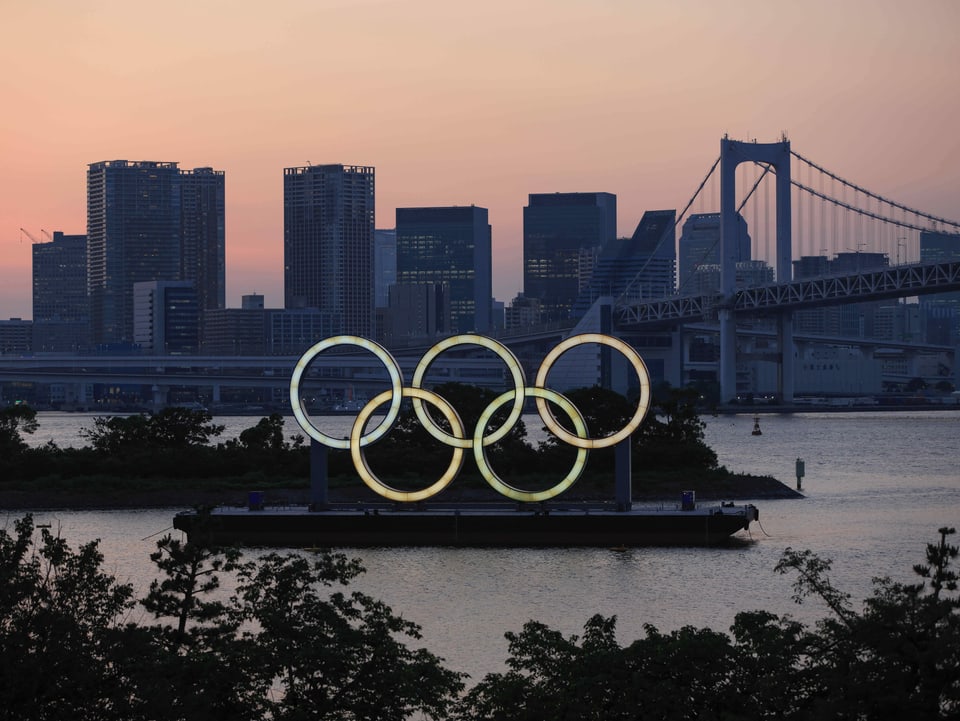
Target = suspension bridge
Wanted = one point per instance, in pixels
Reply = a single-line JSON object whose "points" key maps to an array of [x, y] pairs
{"points": [[839, 236]]}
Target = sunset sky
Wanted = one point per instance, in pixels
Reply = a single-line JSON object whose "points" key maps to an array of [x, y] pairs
{"points": [[457, 103]]}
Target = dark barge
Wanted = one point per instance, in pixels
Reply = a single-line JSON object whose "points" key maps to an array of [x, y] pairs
{"points": [[492, 525]]}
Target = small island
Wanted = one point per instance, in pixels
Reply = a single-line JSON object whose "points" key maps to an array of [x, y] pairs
{"points": [[173, 459]]}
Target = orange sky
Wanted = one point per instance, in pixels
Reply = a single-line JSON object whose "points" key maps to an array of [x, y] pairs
{"points": [[460, 103]]}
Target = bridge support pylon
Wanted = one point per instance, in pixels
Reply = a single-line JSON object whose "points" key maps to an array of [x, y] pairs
{"points": [[776, 155]]}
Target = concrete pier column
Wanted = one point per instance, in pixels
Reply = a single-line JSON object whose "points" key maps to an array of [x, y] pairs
{"points": [[787, 357], [159, 396], [728, 356]]}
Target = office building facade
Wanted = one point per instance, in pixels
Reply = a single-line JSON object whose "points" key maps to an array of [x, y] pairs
{"points": [[166, 317], [563, 234], [384, 265], [328, 243], [942, 310], [150, 221], [133, 235], [449, 246], [699, 245], [416, 311], [641, 267], [203, 235], [61, 307]]}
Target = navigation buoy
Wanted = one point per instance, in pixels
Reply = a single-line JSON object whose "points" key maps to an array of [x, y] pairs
{"points": [[756, 426]]}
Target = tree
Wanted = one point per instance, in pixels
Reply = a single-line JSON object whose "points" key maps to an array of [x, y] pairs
{"points": [[681, 675], [339, 656], [199, 666], [672, 435], [177, 427], [899, 658], [267, 435], [276, 648], [171, 428], [15, 420], [58, 629]]}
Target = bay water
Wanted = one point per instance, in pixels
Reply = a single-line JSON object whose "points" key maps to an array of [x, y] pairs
{"points": [[877, 487]]}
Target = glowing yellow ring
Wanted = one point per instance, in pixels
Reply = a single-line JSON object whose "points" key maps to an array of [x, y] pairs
{"points": [[396, 386], [642, 405], [360, 461], [516, 370], [499, 485]]}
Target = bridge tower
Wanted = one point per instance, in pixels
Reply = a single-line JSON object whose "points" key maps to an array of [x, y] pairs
{"points": [[776, 155]]}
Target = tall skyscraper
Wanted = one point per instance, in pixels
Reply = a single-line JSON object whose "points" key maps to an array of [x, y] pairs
{"points": [[562, 236], [61, 309], [642, 267], [452, 246], [202, 235], [133, 235], [150, 221], [328, 253], [700, 245]]}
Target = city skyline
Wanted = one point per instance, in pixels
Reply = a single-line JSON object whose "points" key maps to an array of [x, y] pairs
{"points": [[459, 105]]}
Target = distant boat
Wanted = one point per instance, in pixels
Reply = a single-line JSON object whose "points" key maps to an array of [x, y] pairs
{"points": [[756, 427]]}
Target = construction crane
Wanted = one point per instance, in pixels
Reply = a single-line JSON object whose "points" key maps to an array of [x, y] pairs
{"points": [[49, 237], [24, 231]]}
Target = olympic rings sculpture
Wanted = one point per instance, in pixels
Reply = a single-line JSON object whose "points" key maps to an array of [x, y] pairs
{"points": [[459, 438]]}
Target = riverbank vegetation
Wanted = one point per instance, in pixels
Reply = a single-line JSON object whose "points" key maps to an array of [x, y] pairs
{"points": [[178, 449], [282, 637]]}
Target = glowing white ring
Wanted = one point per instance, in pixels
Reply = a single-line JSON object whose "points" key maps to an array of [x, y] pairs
{"points": [[513, 365], [360, 461], [478, 441], [642, 405], [396, 387], [504, 488]]}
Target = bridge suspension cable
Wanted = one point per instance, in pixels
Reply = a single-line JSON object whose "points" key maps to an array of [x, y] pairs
{"points": [[673, 228], [869, 194], [708, 251]]}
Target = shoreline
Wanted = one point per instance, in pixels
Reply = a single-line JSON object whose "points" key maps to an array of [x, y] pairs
{"points": [[736, 488]]}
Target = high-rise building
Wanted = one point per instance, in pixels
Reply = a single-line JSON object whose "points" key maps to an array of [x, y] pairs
{"points": [[150, 221], [522, 313], [328, 250], [133, 235], [941, 309], [384, 264], [562, 236], [202, 235], [61, 308], [699, 245], [857, 320], [417, 311], [451, 246], [642, 267], [16, 336], [166, 317]]}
